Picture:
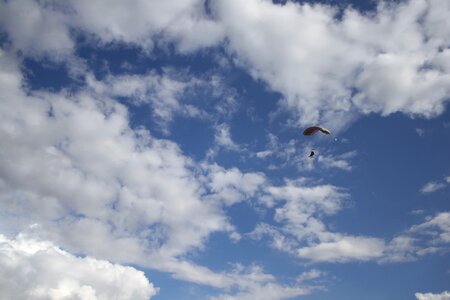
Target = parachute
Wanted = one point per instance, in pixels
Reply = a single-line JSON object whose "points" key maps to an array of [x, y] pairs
{"points": [[313, 129]]}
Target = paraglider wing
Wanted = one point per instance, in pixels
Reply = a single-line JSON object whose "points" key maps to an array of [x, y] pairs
{"points": [[313, 129], [324, 130]]}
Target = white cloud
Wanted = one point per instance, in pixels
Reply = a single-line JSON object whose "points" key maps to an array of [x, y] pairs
{"points": [[278, 240], [175, 20], [438, 227], [344, 249], [287, 153], [292, 153], [231, 185], [431, 187], [400, 249], [420, 131], [47, 25], [72, 164], [36, 30], [256, 284], [300, 209], [434, 186], [267, 291], [429, 237], [161, 92], [310, 275], [330, 70], [302, 201], [264, 154], [340, 161], [223, 139], [430, 296], [173, 93], [300, 229], [35, 269]]}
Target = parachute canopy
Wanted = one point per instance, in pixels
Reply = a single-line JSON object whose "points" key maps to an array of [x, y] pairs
{"points": [[313, 129]]}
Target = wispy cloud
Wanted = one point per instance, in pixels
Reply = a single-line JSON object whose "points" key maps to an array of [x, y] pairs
{"points": [[420, 131], [431, 296], [222, 138], [299, 210], [293, 153], [434, 186], [437, 227], [256, 284], [170, 94], [339, 161], [431, 187]]}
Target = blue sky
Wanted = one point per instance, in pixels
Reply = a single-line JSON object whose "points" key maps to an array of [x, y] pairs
{"points": [[154, 149]]}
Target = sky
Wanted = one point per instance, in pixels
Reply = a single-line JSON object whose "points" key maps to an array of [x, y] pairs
{"points": [[154, 149]]}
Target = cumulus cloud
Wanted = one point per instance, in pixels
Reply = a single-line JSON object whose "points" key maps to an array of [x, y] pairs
{"points": [[231, 185], [36, 269], [301, 201], [430, 296], [48, 26], [36, 29], [329, 69], [332, 69], [72, 164], [184, 22]]}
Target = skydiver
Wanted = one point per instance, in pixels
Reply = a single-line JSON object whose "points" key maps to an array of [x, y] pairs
{"points": [[311, 155]]}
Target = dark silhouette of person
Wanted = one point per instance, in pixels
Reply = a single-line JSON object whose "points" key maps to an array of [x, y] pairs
{"points": [[311, 154]]}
